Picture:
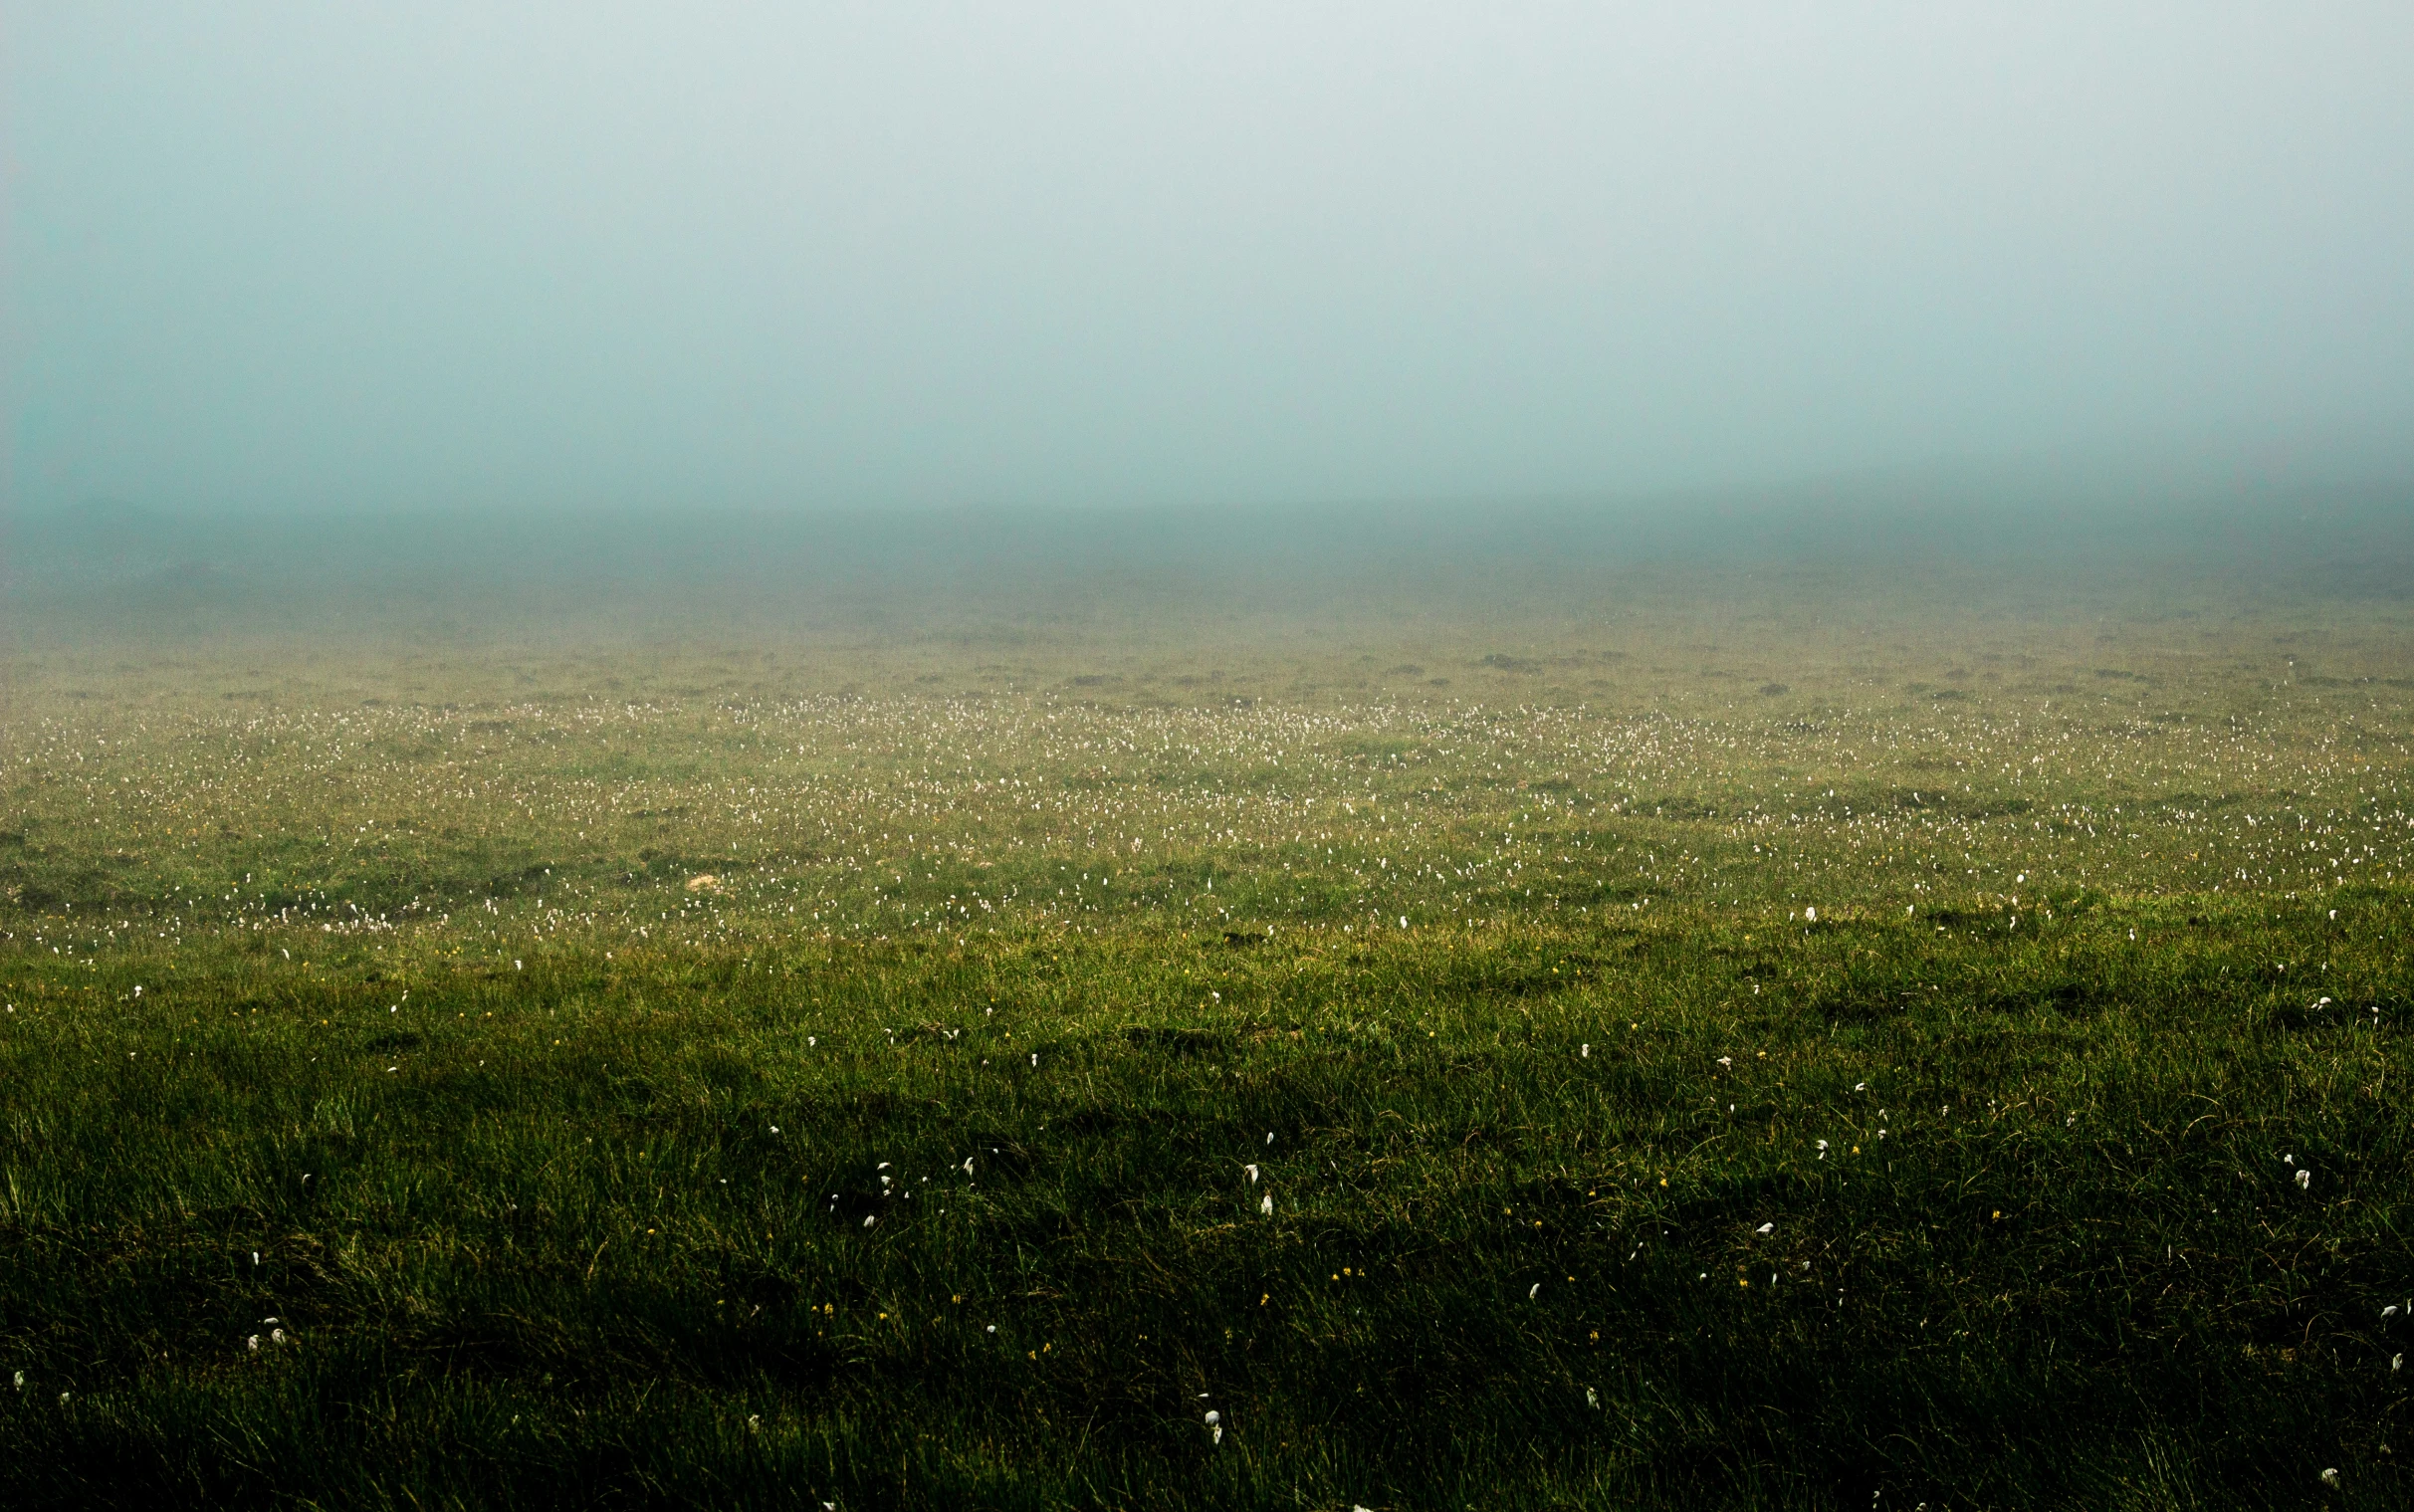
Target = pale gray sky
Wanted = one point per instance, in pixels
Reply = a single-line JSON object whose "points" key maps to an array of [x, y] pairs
{"points": [[352, 256]]}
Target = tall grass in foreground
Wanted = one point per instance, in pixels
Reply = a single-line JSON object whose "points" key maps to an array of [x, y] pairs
{"points": [[2106, 1210]]}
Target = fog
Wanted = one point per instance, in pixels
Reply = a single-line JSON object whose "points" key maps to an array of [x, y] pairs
{"points": [[338, 260]]}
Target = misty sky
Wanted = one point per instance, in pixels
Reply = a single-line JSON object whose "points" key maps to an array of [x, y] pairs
{"points": [[352, 256]]}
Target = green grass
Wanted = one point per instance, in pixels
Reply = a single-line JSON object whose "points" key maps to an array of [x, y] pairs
{"points": [[581, 1220]]}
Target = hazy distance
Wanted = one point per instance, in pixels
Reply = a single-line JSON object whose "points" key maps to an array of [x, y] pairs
{"points": [[311, 260]]}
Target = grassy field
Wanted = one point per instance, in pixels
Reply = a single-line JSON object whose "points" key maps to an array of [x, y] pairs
{"points": [[1790, 1050]]}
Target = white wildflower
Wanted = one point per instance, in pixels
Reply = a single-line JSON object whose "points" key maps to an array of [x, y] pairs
{"points": [[1252, 1170], [1592, 1399], [2330, 1477], [1268, 1206], [1535, 1292], [2305, 1179], [870, 1218], [1765, 1229]]}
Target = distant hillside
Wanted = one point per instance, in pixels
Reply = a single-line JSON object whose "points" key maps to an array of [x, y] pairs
{"points": [[119, 566]]}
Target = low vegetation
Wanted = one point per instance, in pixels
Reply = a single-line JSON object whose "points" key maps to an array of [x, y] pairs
{"points": [[1479, 1071]]}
